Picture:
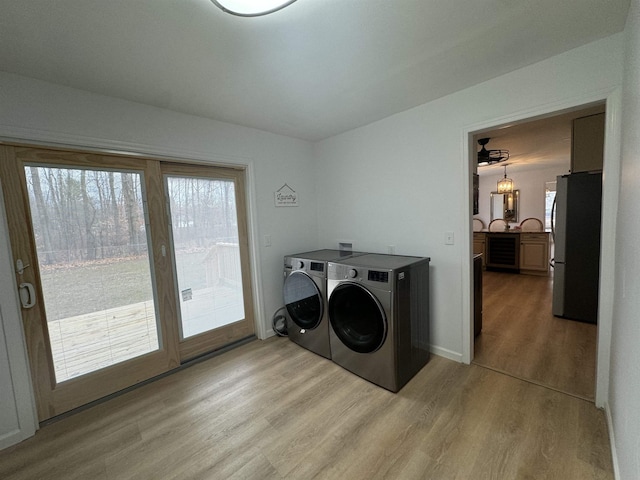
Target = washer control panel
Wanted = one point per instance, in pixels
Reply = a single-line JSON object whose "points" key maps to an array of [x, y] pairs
{"points": [[309, 266]]}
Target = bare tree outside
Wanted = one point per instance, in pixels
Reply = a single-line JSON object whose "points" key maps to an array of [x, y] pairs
{"points": [[94, 265], [93, 256], [207, 255]]}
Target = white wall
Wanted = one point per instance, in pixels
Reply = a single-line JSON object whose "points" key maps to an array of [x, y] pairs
{"points": [[530, 183], [36, 110], [17, 411], [624, 393], [403, 180]]}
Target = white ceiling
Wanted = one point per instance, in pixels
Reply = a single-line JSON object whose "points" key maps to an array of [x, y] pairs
{"points": [[312, 70], [535, 144]]}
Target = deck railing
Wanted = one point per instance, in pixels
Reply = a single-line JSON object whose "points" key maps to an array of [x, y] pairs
{"points": [[223, 265]]}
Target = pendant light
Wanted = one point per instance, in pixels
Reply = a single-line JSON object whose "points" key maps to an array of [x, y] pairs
{"points": [[505, 185], [251, 8]]}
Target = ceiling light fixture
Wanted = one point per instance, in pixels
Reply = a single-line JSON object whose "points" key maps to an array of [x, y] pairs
{"points": [[251, 8], [505, 185], [489, 157]]}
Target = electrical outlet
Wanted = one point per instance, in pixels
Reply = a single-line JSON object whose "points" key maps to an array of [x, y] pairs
{"points": [[345, 246], [448, 238], [391, 249], [267, 240]]}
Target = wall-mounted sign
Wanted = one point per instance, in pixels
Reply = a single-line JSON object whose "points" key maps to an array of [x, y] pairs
{"points": [[286, 196]]}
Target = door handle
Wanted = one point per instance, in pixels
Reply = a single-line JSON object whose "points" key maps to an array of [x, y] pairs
{"points": [[27, 295]]}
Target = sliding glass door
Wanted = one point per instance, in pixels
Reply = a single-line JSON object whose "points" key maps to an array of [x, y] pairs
{"points": [[125, 267], [210, 247], [92, 247]]}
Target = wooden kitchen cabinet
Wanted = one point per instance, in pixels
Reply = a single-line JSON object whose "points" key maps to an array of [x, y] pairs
{"points": [[534, 253], [587, 145], [523, 252], [479, 241]]}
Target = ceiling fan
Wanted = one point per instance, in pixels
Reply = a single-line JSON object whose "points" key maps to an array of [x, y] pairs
{"points": [[489, 157]]}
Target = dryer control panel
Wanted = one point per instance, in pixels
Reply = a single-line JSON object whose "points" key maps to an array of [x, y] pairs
{"points": [[378, 276]]}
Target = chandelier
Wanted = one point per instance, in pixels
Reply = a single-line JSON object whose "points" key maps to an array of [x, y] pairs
{"points": [[505, 185]]}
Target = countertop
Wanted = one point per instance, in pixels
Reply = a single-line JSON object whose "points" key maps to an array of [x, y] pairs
{"points": [[512, 230]]}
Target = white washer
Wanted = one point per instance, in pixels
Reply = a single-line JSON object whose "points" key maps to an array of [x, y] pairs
{"points": [[379, 317], [305, 288]]}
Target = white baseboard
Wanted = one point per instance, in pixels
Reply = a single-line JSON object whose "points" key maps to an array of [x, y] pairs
{"points": [[612, 441], [443, 352]]}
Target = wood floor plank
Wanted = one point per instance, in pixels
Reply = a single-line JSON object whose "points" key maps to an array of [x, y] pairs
{"points": [[272, 410], [521, 337]]}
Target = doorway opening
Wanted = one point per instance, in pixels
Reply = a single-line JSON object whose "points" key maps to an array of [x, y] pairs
{"points": [[519, 335]]}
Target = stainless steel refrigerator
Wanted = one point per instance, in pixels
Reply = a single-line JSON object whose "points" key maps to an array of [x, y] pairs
{"points": [[577, 246]]}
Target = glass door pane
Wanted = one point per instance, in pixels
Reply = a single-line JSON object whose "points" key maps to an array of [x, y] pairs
{"points": [[206, 247], [93, 256]]}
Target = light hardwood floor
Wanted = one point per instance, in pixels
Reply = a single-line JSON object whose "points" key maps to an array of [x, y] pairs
{"points": [[272, 410], [521, 337]]}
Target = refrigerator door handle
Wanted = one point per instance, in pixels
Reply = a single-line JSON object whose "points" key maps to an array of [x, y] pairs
{"points": [[553, 219]]}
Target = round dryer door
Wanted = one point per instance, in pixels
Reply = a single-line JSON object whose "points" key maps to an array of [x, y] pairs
{"points": [[303, 300], [357, 318]]}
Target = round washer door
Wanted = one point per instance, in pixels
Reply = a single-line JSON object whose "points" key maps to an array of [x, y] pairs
{"points": [[303, 300], [357, 318]]}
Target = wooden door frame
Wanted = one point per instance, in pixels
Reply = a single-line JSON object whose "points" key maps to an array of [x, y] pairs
{"points": [[51, 398], [54, 398], [207, 341]]}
